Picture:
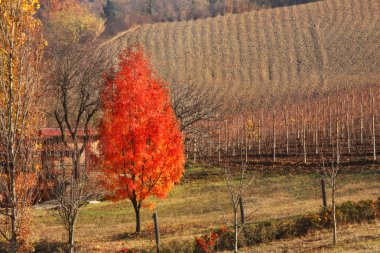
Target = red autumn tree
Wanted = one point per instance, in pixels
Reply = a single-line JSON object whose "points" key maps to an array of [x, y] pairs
{"points": [[140, 142]]}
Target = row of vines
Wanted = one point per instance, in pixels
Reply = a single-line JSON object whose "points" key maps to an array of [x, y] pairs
{"points": [[345, 126]]}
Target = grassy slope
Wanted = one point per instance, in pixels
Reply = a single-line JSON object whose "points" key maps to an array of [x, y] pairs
{"points": [[194, 207], [319, 46], [354, 238]]}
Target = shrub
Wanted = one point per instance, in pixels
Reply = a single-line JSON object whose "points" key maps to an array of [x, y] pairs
{"points": [[266, 231], [219, 239], [351, 212], [226, 240], [306, 224]]}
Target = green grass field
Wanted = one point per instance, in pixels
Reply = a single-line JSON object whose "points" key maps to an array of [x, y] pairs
{"points": [[198, 205]]}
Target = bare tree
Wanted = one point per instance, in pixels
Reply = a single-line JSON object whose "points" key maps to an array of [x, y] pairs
{"points": [[237, 192], [330, 175], [76, 80], [193, 103]]}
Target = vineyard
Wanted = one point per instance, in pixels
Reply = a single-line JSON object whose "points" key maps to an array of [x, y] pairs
{"points": [[265, 57], [342, 128], [301, 81]]}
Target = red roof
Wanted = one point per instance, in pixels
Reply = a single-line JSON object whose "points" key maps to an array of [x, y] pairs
{"points": [[51, 132]]}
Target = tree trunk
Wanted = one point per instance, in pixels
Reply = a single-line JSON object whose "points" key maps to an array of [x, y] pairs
{"points": [[14, 229], [136, 207], [14, 205], [334, 209], [235, 230], [71, 238], [10, 145]]}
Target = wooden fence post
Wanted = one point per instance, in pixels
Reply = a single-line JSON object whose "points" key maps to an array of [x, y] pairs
{"points": [[324, 193], [241, 211], [156, 232]]}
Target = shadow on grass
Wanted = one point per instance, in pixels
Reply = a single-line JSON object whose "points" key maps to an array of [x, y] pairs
{"points": [[50, 247], [124, 236]]}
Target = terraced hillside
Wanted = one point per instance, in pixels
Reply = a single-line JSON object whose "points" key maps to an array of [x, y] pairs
{"points": [[310, 48]]}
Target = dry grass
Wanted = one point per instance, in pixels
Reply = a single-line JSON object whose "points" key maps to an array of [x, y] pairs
{"points": [[194, 208], [315, 47]]}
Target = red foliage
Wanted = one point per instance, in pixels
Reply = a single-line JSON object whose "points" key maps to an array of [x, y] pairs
{"points": [[140, 143], [126, 250], [207, 243]]}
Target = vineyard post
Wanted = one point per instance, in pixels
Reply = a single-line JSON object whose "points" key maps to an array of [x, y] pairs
{"points": [[241, 140], [219, 144], [210, 141], [287, 130], [187, 149], [195, 150], [259, 132], [348, 129], [373, 124], [246, 141], [226, 136], [298, 130], [330, 121], [274, 135], [304, 138], [361, 119], [337, 138], [316, 130], [233, 138], [352, 117], [323, 126], [238, 135], [341, 116], [250, 137]]}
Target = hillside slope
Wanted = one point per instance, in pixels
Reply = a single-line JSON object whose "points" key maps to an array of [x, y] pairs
{"points": [[313, 48]]}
